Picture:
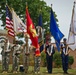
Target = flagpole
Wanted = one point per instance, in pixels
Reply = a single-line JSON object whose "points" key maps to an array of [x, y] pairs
{"points": [[26, 50], [51, 9], [8, 6], [73, 16], [26, 24], [74, 3], [14, 41]]}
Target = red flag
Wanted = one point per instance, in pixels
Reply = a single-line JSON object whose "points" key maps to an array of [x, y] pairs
{"points": [[37, 51], [31, 30]]}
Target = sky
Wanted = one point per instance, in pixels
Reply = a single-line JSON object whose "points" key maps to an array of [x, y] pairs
{"points": [[63, 10]]}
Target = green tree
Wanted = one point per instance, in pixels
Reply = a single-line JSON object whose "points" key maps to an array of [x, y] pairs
{"points": [[57, 59], [71, 61], [34, 7], [43, 59]]}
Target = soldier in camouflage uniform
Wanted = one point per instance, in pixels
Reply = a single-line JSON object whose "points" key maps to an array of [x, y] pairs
{"points": [[37, 60], [26, 53], [5, 55], [16, 52]]}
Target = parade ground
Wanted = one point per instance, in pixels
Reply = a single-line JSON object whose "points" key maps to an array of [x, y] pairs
{"points": [[56, 71]]}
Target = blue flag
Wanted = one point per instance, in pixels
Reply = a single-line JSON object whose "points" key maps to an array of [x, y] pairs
{"points": [[40, 20], [58, 45], [41, 39], [55, 32]]}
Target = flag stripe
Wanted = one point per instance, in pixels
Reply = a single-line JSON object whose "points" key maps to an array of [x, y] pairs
{"points": [[9, 22]]}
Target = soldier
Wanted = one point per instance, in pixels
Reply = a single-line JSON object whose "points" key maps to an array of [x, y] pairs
{"points": [[26, 53], [37, 57], [32, 55], [49, 55], [16, 52], [64, 55], [37, 60], [5, 55]]}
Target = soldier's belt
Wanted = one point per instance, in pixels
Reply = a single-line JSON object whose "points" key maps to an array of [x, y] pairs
{"points": [[27, 53]]}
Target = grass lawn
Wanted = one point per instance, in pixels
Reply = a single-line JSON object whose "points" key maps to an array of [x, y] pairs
{"points": [[56, 71]]}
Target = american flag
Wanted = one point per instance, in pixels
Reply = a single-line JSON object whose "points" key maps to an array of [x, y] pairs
{"points": [[9, 22]]}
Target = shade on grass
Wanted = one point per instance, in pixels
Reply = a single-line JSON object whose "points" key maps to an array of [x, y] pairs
{"points": [[56, 71]]}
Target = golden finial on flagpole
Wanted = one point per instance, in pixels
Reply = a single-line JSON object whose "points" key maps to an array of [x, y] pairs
{"points": [[51, 5], [74, 3]]}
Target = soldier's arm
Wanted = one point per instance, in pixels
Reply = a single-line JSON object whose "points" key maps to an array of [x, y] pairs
{"points": [[12, 46], [61, 48]]}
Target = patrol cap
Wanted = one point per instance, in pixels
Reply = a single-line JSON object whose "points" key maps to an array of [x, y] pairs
{"points": [[64, 39]]}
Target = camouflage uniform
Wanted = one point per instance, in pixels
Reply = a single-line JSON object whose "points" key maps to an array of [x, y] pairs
{"points": [[16, 52], [5, 55], [37, 64], [26, 54], [37, 60], [26, 62], [5, 61]]}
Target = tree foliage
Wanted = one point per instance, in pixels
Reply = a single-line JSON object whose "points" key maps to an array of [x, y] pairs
{"points": [[57, 59], [34, 7], [71, 60]]}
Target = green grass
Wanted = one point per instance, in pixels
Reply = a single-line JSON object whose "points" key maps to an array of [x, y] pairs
{"points": [[56, 71]]}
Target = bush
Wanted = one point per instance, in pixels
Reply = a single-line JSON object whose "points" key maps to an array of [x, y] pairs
{"points": [[71, 60], [57, 59], [43, 58]]}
